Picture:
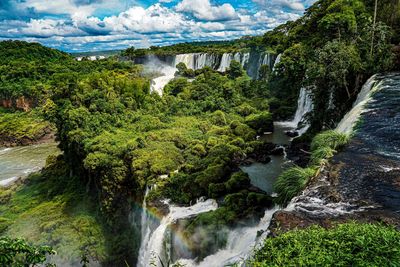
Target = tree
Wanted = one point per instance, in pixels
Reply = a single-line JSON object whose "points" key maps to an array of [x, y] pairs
{"points": [[235, 70], [18, 253]]}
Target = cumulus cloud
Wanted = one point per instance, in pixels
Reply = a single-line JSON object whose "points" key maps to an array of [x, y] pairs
{"points": [[78, 25], [295, 5], [203, 10], [156, 18]]}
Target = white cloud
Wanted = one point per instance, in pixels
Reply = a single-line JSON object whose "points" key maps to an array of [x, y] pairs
{"points": [[75, 24], [56, 7], [156, 18], [48, 27], [203, 10], [295, 5]]}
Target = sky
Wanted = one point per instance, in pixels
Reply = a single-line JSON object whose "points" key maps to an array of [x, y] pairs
{"points": [[98, 25]]}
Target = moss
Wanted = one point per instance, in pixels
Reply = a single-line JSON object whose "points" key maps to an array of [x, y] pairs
{"points": [[51, 208]]}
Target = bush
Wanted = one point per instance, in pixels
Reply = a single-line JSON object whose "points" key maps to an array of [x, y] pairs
{"points": [[291, 182], [261, 122], [348, 244], [16, 252]]}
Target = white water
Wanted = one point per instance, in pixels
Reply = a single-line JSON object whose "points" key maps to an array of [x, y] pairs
{"points": [[277, 60], [153, 246], [347, 123], [304, 106], [193, 61], [240, 244], [225, 62], [145, 231]]}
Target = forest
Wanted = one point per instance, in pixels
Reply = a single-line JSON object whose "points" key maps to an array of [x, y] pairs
{"points": [[118, 138]]}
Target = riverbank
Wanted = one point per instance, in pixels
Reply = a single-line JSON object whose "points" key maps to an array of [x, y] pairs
{"points": [[24, 128], [19, 162]]}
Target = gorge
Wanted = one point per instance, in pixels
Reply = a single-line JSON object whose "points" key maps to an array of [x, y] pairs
{"points": [[278, 149]]}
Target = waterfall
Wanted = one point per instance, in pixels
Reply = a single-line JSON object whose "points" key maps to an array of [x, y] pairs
{"points": [[153, 249], [240, 244], [145, 229], [304, 106], [245, 59], [277, 60], [188, 59], [225, 62], [347, 123], [249, 61]]}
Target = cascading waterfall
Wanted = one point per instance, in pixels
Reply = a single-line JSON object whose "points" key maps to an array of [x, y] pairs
{"points": [[225, 62], [277, 60], [145, 229], [347, 123], [152, 250], [252, 62], [240, 244], [304, 106]]}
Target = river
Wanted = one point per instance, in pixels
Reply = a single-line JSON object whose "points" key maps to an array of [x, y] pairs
{"points": [[16, 162]]}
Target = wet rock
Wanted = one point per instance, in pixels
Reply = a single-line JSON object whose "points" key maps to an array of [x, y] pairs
{"points": [[292, 133], [279, 151]]}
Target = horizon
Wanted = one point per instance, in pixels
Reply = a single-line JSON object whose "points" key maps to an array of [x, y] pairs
{"points": [[77, 26]]}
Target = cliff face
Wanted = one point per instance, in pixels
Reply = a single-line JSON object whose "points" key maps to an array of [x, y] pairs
{"points": [[20, 103]]}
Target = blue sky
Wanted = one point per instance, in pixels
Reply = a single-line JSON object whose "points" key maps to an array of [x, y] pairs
{"points": [[90, 25]]}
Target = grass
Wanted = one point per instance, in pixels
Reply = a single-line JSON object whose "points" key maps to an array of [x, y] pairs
{"points": [[50, 208], [330, 139], [293, 181], [350, 244]]}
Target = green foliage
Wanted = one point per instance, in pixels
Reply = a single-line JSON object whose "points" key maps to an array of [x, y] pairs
{"points": [[52, 208], [323, 147], [350, 244], [291, 182], [18, 253], [17, 126], [215, 47], [235, 70], [332, 49], [261, 122], [330, 139]]}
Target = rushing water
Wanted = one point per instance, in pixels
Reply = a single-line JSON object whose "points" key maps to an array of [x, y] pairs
{"points": [[304, 106], [18, 162], [154, 247], [347, 123], [367, 171], [252, 62], [240, 244], [157, 243]]}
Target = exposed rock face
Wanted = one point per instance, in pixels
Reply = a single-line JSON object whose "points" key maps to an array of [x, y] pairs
{"points": [[44, 136], [20, 103]]}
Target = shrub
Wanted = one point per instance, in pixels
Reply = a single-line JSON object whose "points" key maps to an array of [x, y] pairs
{"points": [[291, 182], [348, 244], [16, 252], [261, 122]]}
